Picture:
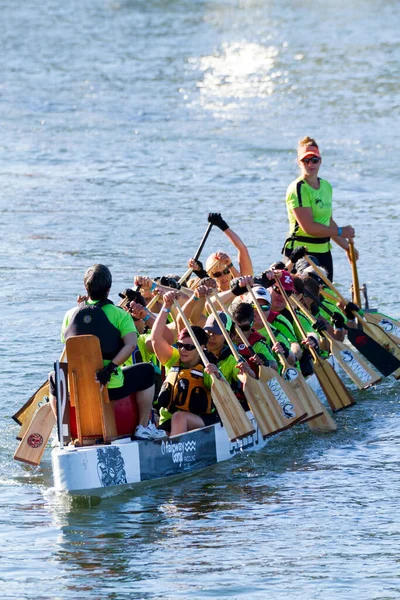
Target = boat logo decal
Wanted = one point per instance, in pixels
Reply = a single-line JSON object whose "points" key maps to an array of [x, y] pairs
{"points": [[354, 365], [389, 327], [110, 466], [282, 398], [180, 451], [35, 440]]}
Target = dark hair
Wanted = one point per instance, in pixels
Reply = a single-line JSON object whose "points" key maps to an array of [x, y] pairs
{"points": [[298, 285], [242, 311], [98, 282], [278, 266], [199, 333], [311, 285]]}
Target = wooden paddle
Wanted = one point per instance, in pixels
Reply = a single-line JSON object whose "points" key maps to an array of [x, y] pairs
{"points": [[184, 277], [233, 417], [26, 413], [389, 325], [34, 442], [372, 342], [354, 365], [318, 419], [323, 421], [354, 274], [333, 387], [275, 387], [254, 391]]}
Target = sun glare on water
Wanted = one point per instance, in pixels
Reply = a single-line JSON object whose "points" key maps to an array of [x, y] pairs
{"points": [[240, 71]]}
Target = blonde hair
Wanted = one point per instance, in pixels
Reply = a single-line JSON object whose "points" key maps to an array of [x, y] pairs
{"points": [[307, 141], [212, 263]]}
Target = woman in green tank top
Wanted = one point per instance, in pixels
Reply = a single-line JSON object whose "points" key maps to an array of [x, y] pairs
{"points": [[309, 207]]}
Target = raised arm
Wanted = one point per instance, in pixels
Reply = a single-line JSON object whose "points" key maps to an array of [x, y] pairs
{"points": [[161, 346], [244, 260]]}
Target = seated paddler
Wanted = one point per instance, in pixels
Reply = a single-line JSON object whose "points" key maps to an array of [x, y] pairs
{"points": [[115, 328], [184, 402]]}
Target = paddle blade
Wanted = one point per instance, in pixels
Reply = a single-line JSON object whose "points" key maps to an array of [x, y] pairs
{"points": [[354, 365], [373, 351], [260, 405], [390, 326], [318, 418], [33, 444], [232, 415], [283, 402], [336, 393], [41, 396]]}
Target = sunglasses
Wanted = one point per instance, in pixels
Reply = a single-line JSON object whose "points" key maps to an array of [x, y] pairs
{"points": [[220, 273], [277, 290], [246, 326], [188, 347], [314, 160]]}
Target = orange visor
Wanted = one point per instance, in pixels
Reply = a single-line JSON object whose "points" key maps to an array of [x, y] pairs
{"points": [[308, 151]]}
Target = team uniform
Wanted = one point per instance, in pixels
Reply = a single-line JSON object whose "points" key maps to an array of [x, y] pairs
{"points": [[110, 324], [301, 195]]}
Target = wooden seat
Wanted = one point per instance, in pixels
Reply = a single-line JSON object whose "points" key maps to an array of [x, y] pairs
{"points": [[94, 413]]}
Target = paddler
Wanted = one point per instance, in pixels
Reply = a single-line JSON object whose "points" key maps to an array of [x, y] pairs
{"points": [[309, 207], [117, 333], [219, 265]]}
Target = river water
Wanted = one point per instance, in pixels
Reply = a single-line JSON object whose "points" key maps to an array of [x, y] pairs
{"points": [[123, 123]]}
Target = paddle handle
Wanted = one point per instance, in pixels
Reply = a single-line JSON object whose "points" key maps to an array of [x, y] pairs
{"points": [[203, 241], [293, 313], [237, 326], [188, 273], [190, 331], [354, 274], [261, 314], [267, 326], [225, 333]]}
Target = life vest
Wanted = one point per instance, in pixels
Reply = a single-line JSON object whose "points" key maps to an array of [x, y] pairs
{"points": [[90, 319], [184, 389]]}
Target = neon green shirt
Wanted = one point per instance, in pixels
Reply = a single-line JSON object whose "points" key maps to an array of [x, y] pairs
{"points": [[301, 195]]}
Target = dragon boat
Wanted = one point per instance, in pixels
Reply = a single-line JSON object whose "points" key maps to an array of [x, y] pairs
{"points": [[108, 469]]}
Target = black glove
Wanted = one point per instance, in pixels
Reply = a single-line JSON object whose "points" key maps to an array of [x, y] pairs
{"points": [[200, 272], [235, 287], [337, 320], [298, 253], [349, 309], [319, 325], [217, 220], [263, 280], [131, 295], [104, 374], [169, 282], [263, 358]]}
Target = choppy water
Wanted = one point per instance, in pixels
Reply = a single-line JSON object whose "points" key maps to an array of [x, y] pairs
{"points": [[122, 125]]}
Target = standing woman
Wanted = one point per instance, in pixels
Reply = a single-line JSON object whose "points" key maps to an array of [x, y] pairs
{"points": [[309, 206]]}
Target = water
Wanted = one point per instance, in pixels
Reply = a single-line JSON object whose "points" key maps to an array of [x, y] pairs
{"points": [[123, 124]]}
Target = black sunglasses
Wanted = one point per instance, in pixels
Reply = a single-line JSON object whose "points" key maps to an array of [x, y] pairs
{"points": [[187, 347], [220, 273], [314, 160]]}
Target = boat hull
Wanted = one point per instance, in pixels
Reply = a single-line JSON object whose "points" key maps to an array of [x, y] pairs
{"points": [[104, 470]]}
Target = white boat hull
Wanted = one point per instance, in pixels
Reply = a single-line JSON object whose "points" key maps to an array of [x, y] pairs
{"points": [[104, 470]]}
